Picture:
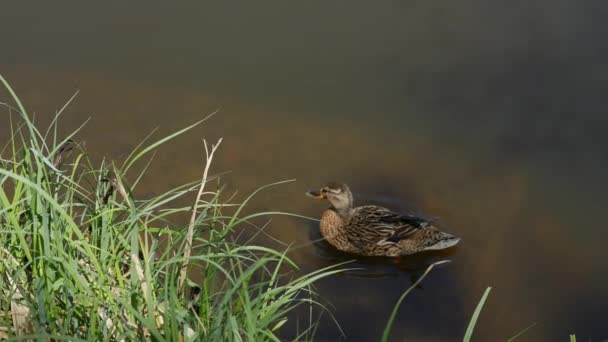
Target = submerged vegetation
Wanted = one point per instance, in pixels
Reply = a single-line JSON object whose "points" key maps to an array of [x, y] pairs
{"points": [[84, 258]]}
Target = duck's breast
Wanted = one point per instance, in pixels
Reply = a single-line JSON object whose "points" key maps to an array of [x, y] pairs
{"points": [[331, 223], [333, 230]]}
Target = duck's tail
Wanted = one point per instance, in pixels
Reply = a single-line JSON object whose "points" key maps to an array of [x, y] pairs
{"points": [[442, 241]]}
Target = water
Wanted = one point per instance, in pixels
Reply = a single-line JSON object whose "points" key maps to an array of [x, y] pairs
{"points": [[489, 115]]}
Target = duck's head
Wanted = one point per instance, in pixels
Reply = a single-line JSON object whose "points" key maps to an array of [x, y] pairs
{"points": [[337, 194]]}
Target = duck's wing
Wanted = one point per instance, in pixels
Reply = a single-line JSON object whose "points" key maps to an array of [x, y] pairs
{"points": [[381, 225]]}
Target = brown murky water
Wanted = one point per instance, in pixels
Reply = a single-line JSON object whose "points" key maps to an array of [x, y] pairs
{"points": [[490, 115]]}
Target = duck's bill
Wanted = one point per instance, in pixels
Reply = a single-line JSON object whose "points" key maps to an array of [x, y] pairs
{"points": [[314, 194]]}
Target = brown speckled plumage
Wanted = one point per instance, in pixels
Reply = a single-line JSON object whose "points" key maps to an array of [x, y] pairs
{"points": [[375, 231]]}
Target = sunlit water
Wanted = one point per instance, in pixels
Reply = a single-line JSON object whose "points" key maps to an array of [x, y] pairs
{"points": [[490, 116]]}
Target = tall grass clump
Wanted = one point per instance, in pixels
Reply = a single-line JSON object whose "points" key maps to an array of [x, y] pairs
{"points": [[84, 259]]}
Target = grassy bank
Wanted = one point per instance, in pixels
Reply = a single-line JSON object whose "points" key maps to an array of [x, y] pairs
{"points": [[83, 258]]}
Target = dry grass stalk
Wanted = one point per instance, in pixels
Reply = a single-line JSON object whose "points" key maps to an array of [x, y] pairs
{"points": [[201, 190], [19, 312]]}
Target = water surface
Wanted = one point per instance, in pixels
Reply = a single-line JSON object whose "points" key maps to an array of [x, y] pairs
{"points": [[490, 115]]}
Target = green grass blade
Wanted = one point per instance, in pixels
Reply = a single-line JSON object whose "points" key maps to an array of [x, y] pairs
{"points": [[151, 147], [469, 333], [389, 324], [53, 124], [521, 332]]}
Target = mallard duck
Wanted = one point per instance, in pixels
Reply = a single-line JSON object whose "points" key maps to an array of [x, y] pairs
{"points": [[375, 231]]}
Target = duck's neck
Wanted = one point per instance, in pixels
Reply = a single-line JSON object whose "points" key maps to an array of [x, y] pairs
{"points": [[345, 213]]}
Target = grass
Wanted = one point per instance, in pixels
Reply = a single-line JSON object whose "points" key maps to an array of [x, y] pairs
{"points": [[469, 333], [85, 259]]}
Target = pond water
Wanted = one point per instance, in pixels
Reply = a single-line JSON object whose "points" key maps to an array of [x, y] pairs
{"points": [[489, 115]]}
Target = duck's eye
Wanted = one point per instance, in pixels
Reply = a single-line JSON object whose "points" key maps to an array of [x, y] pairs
{"points": [[324, 190]]}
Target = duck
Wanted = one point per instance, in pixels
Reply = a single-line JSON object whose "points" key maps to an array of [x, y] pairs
{"points": [[371, 230]]}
